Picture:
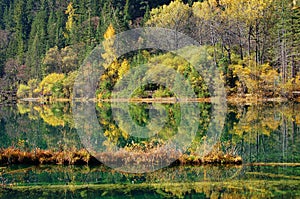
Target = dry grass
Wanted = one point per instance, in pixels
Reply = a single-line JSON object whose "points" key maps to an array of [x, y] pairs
{"points": [[16, 156], [155, 156]]}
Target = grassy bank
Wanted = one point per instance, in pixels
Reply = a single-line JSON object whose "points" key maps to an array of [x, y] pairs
{"points": [[82, 157]]}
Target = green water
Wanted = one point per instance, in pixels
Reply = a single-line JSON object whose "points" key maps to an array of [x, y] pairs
{"points": [[260, 133]]}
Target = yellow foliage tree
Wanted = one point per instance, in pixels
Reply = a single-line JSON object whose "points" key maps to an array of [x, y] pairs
{"points": [[264, 120], [110, 58], [108, 44], [114, 69], [175, 16], [297, 83], [71, 16], [255, 79], [245, 10], [124, 68], [206, 10], [23, 91], [47, 84], [33, 84]]}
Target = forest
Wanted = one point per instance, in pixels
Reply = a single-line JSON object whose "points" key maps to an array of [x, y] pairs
{"points": [[56, 139], [254, 43]]}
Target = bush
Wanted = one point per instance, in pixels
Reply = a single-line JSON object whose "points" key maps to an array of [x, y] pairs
{"points": [[161, 92], [23, 91], [51, 84]]}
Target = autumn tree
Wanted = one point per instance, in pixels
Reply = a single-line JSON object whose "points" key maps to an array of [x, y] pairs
{"points": [[110, 64], [257, 80], [68, 84], [62, 61], [52, 61], [124, 67], [69, 59], [114, 69], [23, 74], [176, 16], [32, 85], [51, 85], [23, 91], [71, 24]]}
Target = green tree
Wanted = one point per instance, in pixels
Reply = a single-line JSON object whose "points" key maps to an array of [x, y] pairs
{"points": [[3, 46], [21, 28], [37, 43], [51, 30], [285, 36], [60, 39]]}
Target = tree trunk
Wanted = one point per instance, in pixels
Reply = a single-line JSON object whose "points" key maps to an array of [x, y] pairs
{"points": [[249, 41], [241, 45]]}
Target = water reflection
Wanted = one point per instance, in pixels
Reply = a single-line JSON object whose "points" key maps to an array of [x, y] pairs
{"points": [[266, 133], [205, 181], [259, 133]]}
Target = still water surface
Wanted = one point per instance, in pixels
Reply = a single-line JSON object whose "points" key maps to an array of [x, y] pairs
{"points": [[259, 133]]}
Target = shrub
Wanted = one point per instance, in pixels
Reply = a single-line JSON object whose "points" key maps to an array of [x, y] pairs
{"points": [[23, 91]]}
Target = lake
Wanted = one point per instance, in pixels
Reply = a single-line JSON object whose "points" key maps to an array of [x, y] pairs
{"points": [[265, 135]]}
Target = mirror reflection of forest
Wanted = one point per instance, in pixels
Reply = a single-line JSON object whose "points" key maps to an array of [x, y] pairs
{"points": [[259, 132]]}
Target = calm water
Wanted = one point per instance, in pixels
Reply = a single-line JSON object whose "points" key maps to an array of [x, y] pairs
{"points": [[260, 133]]}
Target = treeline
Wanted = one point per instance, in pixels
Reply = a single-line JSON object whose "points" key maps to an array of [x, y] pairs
{"points": [[255, 44], [34, 32]]}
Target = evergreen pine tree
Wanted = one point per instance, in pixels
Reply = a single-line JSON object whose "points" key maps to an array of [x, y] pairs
{"points": [[21, 28], [51, 30], [37, 44], [60, 40]]}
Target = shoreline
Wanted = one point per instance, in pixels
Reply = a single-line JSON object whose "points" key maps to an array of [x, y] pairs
{"points": [[173, 100], [13, 156]]}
